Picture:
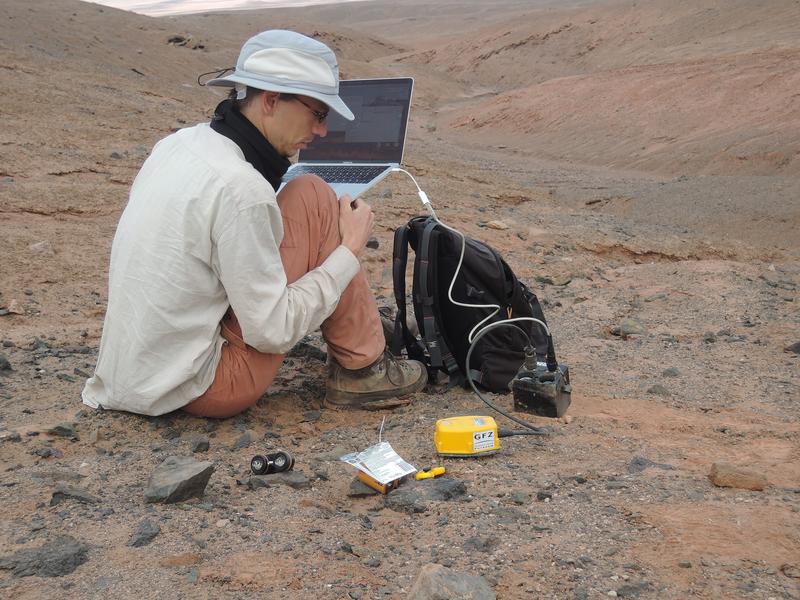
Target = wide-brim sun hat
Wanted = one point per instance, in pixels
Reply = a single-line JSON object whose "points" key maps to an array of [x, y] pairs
{"points": [[290, 63]]}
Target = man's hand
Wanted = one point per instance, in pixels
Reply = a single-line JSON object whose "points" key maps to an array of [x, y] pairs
{"points": [[355, 223]]}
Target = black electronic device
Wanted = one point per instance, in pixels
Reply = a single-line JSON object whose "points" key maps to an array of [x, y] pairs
{"points": [[275, 462], [541, 388]]}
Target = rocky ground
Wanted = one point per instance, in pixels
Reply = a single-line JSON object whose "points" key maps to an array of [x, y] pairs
{"points": [[680, 328]]}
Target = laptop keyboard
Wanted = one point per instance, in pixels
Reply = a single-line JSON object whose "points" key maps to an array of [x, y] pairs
{"points": [[338, 173]]}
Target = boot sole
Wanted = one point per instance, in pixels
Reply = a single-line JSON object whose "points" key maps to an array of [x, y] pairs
{"points": [[375, 400]]}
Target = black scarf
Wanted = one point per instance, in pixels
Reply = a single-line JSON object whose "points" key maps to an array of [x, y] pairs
{"points": [[257, 150]]}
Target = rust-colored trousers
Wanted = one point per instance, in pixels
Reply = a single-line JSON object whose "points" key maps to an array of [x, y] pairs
{"points": [[353, 332]]}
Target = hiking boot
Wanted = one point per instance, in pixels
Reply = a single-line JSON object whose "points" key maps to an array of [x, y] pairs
{"points": [[386, 383], [387, 323]]}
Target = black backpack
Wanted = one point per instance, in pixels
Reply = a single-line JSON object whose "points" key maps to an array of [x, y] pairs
{"points": [[484, 278]]}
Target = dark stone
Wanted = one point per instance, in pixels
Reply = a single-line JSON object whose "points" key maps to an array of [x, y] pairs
{"points": [[170, 433], [671, 372], [54, 559], [480, 544], [65, 430], [243, 441], [633, 590], [542, 496], [39, 344], [255, 482], [10, 436], [372, 562], [294, 479], [658, 390], [145, 533], [414, 496], [359, 489], [510, 516], [640, 463], [312, 416], [5, 366], [67, 492], [792, 348], [178, 478], [48, 452]]}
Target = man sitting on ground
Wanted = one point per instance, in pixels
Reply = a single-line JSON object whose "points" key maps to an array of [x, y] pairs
{"points": [[214, 276]]}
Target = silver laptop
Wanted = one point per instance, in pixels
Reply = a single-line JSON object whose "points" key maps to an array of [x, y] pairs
{"points": [[355, 155]]}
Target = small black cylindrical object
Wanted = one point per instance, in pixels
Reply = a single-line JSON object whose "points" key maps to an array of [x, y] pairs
{"points": [[275, 462]]}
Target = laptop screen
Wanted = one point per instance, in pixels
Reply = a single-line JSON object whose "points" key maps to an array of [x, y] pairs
{"points": [[379, 131]]}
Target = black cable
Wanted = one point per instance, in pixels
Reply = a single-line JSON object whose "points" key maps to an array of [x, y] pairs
{"points": [[509, 432], [534, 430]]}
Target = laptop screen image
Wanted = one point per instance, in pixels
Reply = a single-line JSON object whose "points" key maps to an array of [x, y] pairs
{"points": [[377, 135]]}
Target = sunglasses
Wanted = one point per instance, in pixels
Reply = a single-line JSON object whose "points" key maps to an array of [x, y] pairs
{"points": [[320, 116]]}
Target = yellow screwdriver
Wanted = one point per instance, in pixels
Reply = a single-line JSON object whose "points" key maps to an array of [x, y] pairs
{"points": [[429, 473]]}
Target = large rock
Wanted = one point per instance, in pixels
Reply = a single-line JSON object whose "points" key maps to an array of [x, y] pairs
{"points": [[178, 478], [56, 558], [726, 475], [436, 582]]}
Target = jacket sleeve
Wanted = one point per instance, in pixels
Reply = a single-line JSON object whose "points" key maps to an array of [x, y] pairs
{"points": [[274, 316]]}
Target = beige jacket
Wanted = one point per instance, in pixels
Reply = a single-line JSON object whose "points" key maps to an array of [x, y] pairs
{"points": [[200, 232]]}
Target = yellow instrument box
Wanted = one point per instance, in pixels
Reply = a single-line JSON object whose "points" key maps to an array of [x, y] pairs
{"points": [[466, 436]]}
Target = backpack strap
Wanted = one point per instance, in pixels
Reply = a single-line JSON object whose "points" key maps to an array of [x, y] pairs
{"points": [[402, 336], [440, 355]]}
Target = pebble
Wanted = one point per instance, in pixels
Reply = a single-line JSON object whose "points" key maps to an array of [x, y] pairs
{"points": [[145, 532], [294, 479], [498, 225], [243, 441], [629, 327], [658, 390], [5, 366], [685, 564], [199, 443], [66, 492], [10, 436], [65, 430]]}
